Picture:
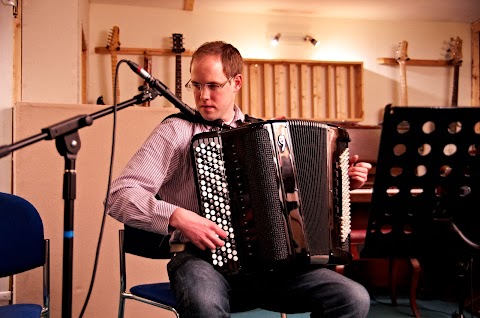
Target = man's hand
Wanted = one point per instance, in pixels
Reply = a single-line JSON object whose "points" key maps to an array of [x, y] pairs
{"points": [[358, 172], [197, 229]]}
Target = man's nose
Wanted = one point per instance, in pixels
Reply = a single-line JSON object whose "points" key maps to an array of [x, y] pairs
{"points": [[205, 92]]}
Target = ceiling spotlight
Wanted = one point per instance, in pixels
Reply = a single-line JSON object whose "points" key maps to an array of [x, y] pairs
{"points": [[311, 40], [275, 40]]}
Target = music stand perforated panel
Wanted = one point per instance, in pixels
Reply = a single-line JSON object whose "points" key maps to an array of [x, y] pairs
{"points": [[426, 195]]}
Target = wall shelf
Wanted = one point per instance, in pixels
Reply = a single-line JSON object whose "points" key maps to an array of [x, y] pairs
{"points": [[140, 51], [413, 62]]}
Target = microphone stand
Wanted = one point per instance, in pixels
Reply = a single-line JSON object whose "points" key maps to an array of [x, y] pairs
{"points": [[67, 141]]}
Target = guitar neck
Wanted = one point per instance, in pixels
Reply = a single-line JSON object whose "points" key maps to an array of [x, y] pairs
{"points": [[456, 72], [115, 93], [178, 75], [403, 84], [147, 66]]}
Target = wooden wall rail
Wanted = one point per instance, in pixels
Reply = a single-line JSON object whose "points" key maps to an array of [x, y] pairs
{"points": [[140, 51], [413, 62], [326, 91]]}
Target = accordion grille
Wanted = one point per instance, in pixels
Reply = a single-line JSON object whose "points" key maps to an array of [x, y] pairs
{"points": [[310, 148], [260, 167]]}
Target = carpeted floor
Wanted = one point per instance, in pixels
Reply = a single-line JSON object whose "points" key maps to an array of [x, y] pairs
{"points": [[381, 307]]}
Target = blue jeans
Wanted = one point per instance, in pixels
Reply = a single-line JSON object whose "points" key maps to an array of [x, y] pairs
{"points": [[202, 291]]}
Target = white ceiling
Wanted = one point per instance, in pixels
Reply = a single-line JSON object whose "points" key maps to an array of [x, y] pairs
{"points": [[466, 11]]}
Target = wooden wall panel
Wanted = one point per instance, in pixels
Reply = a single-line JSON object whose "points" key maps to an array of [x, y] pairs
{"points": [[294, 86], [279, 90], [268, 91], [305, 91], [255, 91], [319, 92], [326, 91]]}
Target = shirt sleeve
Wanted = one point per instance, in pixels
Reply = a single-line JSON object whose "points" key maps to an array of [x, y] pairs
{"points": [[133, 194]]}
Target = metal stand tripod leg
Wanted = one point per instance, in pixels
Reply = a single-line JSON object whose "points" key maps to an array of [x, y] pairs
{"points": [[463, 267]]}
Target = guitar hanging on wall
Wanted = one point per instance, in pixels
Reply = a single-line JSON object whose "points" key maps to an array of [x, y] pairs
{"points": [[454, 56], [113, 45], [402, 58], [178, 49], [147, 66]]}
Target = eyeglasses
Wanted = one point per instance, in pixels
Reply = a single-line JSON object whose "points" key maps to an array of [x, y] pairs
{"points": [[212, 87]]}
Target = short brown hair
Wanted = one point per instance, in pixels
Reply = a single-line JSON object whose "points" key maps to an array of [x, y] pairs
{"points": [[232, 60]]}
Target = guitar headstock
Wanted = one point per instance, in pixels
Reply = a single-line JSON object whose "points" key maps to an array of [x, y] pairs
{"points": [[454, 52], [177, 40], [113, 42], [401, 54]]}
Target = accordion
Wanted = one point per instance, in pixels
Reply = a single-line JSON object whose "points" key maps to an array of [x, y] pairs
{"points": [[280, 189]]}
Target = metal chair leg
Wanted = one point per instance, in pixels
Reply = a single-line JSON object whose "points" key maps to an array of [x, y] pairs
{"points": [[413, 286], [121, 307]]}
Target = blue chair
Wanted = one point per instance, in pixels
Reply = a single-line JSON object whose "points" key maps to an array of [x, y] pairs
{"points": [[153, 246], [23, 248], [149, 245]]}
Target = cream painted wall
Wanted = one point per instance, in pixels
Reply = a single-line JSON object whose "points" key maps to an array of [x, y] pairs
{"points": [[340, 40], [50, 51]]}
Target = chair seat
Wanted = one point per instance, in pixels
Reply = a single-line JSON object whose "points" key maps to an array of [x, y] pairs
{"points": [[159, 292], [21, 311]]}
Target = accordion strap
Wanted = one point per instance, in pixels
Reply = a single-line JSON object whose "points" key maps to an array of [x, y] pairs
{"points": [[198, 119], [250, 119]]}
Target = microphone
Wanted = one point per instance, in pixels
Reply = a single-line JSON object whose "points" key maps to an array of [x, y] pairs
{"points": [[162, 89]]}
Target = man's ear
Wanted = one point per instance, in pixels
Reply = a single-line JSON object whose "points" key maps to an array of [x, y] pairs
{"points": [[237, 82]]}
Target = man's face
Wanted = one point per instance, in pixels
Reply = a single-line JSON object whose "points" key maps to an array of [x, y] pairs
{"points": [[214, 103]]}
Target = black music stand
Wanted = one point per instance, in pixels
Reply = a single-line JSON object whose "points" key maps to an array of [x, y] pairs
{"points": [[426, 192]]}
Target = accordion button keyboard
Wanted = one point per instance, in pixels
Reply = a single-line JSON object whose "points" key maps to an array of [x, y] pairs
{"points": [[215, 202]]}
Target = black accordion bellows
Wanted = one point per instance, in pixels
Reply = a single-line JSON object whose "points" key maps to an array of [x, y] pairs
{"points": [[280, 189]]}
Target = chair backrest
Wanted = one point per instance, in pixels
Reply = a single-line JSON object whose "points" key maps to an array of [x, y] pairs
{"points": [[145, 244], [22, 227]]}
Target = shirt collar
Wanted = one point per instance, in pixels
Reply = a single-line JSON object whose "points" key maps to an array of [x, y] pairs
{"points": [[239, 117]]}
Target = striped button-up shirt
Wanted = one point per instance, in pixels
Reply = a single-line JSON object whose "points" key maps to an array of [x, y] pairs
{"points": [[161, 166]]}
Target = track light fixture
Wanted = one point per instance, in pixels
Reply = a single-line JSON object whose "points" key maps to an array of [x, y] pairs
{"points": [[12, 3], [292, 37], [311, 40], [275, 40]]}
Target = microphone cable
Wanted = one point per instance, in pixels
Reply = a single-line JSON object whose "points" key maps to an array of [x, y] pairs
{"points": [[104, 216]]}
